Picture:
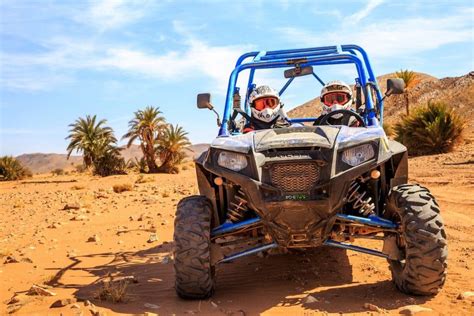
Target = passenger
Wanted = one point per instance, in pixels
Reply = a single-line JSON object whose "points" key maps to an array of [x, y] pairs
{"points": [[266, 110], [336, 95]]}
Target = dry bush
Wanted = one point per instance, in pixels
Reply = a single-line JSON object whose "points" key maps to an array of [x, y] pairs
{"points": [[119, 188], [113, 291], [80, 168], [58, 172], [388, 128], [143, 179], [432, 129]]}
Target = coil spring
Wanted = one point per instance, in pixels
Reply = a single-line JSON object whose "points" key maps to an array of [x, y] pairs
{"points": [[361, 201], [237, 207]]}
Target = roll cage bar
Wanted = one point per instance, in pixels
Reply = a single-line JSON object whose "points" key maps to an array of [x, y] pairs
{"points": [[314, 56]]}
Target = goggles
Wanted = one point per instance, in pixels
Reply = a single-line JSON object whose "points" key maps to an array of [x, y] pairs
{"points": [[335, 98], [264, 103]]}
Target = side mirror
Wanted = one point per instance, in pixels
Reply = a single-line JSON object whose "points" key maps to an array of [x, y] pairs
{"points": [[298, 72], [395, 86], [204, 101]]}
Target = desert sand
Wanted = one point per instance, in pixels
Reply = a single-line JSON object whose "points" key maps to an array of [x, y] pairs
{"points": [[111, 234]]}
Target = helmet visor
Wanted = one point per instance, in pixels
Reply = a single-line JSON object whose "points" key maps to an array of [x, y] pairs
{"points": [[267, 102], [335, 98]]}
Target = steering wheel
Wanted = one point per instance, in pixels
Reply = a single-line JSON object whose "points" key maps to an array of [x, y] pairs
{"points": [[345, 120]]}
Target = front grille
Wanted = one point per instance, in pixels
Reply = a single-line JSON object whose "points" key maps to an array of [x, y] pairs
{"points": [[294, 177]]}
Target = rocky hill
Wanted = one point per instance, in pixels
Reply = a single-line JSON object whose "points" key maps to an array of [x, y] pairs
{"points": [[456, 91], [42, 163]]}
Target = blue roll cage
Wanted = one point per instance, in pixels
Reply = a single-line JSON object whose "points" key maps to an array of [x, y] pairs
{"points": [[314, 56]]}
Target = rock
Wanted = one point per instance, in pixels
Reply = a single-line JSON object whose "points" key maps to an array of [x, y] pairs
{"points": [[372, 307], [21, 299], [75, 306], [79, 218], [88, 303], [150, 314], [310, 299], [26, 259], [153, 237], [214, 304], [152, 306], [62, 302], [166, 260], [55, 225], [127, 279], [10, 259], [414, 309], [72, 206], [93, 238], [95, 312], [41, 291], [465, 295]]}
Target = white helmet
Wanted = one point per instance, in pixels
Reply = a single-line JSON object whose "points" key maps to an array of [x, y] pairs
{"points": [[266, 113], [337, 102]]}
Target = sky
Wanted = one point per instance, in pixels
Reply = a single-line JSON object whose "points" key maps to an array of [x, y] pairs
{"points": [[61, 60]]}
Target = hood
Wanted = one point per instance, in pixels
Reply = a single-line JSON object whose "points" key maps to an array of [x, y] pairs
{"points": [[293, 137]]}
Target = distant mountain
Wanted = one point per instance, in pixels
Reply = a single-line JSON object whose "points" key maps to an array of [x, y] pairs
{"points": [[42, 163], [455, 91]]}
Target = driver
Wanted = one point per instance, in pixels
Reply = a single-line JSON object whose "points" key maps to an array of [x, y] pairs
{"points": [[266, 110], [336, 95]]}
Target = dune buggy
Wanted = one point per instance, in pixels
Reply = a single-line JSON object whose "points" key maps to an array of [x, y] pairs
{"points": [[307, 186]]}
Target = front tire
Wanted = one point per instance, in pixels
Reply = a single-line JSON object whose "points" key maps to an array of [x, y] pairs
{"points": [[192, 256], [422, 242]]}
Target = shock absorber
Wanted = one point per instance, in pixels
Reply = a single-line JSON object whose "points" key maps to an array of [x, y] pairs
{"points": [[360, 201], [238, 207]]}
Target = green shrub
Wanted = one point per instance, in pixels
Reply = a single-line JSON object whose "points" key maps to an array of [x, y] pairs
{"points": [[12, 169], [108, 164], [432, 129]]}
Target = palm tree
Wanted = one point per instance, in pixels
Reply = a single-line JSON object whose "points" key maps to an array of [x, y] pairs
{"points": [[171, 148], [411, 79], [90, 138], [147, 126]]}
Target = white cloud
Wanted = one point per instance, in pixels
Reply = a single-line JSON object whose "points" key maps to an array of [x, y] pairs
{"points": [[393, 38], [364, 12], [111, 14], [64, 56]]}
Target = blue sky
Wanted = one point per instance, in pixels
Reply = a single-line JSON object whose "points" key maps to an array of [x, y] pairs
{"points": [[63, 59]]}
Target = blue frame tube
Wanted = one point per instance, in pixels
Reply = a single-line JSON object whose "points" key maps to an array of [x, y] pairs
{"points": [[248, 252], [321, 60], [231, 227], [352, 48], [319, 79], [286, 85], [372, 252], [303, 120], [372, 220]]}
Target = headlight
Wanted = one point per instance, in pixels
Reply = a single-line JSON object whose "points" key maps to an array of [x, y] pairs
{"points": [[232, 161], [356, 155]]}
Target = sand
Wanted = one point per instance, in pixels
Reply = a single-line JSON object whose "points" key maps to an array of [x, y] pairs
{"points": [[52, 247]]}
